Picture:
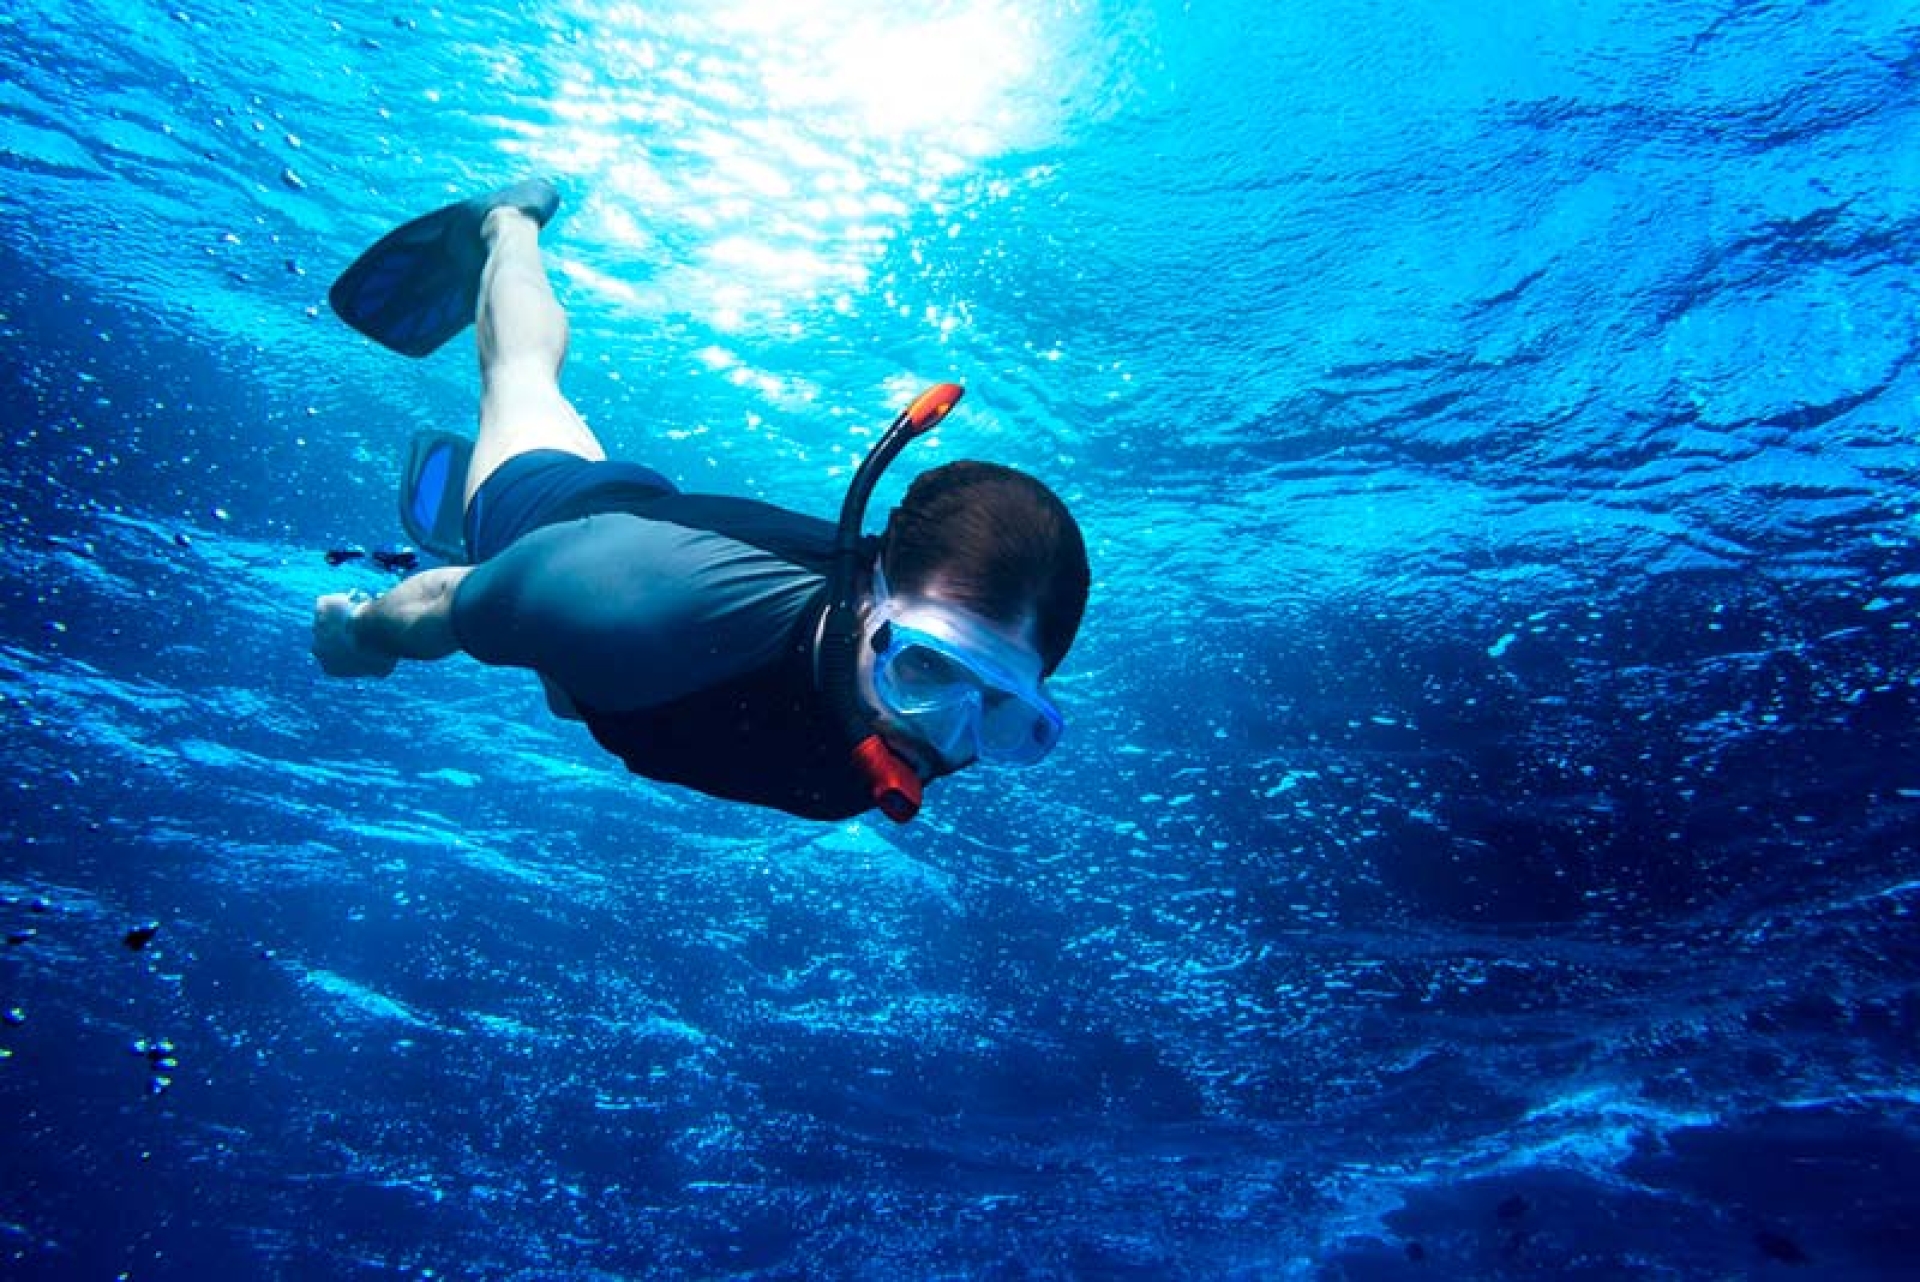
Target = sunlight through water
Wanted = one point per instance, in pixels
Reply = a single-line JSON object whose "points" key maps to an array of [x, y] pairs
{"points": [[784, 147]]}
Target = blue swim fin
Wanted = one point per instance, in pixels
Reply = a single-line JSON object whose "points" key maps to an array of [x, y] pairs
{"points": [[419, 284], [433, 493]]}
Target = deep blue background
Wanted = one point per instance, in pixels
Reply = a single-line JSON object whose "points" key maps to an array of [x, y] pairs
{"points": [[1485, 840]]}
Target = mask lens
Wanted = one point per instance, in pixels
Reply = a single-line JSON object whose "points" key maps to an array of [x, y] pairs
{"points": [[921, 676], [1015, 731]]}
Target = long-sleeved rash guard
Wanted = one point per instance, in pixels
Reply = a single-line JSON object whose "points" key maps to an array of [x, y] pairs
{"points": [[682, 627]]}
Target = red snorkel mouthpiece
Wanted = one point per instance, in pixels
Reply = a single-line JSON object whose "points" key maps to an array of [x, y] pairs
{"points": [[891, 781], [894, 786]]}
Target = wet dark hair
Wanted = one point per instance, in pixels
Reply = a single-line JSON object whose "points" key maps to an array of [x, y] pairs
{"points": [[999, 541]]}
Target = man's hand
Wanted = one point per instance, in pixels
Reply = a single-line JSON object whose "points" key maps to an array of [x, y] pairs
{"points": [[341, 653]]}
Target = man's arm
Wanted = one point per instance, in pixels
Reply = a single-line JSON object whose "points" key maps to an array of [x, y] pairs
{"points": [[367, 638]]}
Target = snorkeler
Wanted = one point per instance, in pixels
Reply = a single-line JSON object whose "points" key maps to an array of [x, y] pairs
{"points": [[728, 645]]}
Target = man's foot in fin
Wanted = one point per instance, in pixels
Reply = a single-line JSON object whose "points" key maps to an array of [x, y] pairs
{"points": [[419, 284]]}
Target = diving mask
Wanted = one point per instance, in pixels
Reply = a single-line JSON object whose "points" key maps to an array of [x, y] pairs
{"points": [[957, 684]]}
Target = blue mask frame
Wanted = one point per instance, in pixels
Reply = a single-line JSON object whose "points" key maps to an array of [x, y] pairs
{"points": [[959, 685]]}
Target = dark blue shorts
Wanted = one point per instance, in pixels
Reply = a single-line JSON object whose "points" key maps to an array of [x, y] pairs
{"points": [[547, 487]]}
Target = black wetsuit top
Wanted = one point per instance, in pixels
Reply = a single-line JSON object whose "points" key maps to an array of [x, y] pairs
{"points": [[682, 628]]}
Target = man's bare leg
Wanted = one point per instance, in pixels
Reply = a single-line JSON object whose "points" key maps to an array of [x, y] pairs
{"points": [[523, 339]]}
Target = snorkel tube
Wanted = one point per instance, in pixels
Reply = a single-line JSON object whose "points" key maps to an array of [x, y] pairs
{"points": [[890, 780]]}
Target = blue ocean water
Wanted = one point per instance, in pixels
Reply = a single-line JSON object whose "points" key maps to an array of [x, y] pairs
{"points": [[1485, 840]]}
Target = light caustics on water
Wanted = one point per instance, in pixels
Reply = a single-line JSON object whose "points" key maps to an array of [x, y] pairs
{"points": [[783, 147]]}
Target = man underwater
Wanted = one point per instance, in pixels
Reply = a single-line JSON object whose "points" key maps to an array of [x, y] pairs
{"points": [[728, 645]]}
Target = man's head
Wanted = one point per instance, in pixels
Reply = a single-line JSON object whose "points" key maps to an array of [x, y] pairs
{"points": [[980, 589], [995, 542]]}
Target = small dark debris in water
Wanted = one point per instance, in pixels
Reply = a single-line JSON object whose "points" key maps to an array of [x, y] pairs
{"points": [[140, 936], [340, 556], [1416, 1253], [397, 560], [182, 541], [39, 905], [17, 937], [1783, 1249], [1513, 1208], [295, 269], [406, 24]]}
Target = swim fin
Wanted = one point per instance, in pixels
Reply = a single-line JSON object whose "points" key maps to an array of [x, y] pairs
{"points": [[419, 284], [432, 493]]}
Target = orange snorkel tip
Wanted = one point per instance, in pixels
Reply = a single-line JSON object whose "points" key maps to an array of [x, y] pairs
{"points": [[932, 405]]}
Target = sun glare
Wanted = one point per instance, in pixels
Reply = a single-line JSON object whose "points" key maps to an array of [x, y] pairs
{"points": [[761, 154], [947, 79]]}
